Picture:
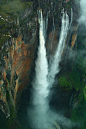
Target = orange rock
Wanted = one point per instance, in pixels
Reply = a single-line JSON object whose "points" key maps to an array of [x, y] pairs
{"points": [[4, 99], [67, 1], [1, 82], [5, 57], [21, 57], [1, 96], [73, 40], [4, 74]]}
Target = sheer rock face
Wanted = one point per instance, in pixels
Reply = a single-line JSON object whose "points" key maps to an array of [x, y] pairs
{"points": [[19, 63], [20, 60]]}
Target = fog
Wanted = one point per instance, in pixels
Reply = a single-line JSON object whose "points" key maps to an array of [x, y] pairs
{"points": [[82, 19], [40, 115]]}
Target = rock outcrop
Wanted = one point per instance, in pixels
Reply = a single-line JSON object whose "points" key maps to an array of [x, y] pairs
{"points": [[19, 61]]}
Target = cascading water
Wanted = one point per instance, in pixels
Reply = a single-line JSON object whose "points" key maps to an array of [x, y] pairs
{"points": [[71, 16], [41, 69], [40, 115], [54, 69], [40, 84]]}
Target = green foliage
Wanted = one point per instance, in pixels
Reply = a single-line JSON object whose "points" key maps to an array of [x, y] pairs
{"points": [[8, 96], [12, 112], [78, 73], [9, 11], [79, 114], [84, 90], [12, 121], [75, 76], [64, 82], [75, 79], [60, 0], [4, 28], [11, 118], [14, 7], [68, 6]]}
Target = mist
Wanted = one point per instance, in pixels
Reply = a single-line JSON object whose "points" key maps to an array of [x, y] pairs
{"points": [[82, 19], [40, 115]]}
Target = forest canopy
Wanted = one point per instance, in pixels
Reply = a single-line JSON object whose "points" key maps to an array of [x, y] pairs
{"points": [[9, 12]]}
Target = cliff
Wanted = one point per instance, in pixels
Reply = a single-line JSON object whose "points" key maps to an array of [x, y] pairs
{"points": [[18, 53]]}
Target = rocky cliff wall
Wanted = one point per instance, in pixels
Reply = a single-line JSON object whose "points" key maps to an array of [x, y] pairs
{"points": [[19, 61]]}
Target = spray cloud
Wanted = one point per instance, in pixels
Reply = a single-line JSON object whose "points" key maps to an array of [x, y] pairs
{"points": [[82, 19], [40, 115]]}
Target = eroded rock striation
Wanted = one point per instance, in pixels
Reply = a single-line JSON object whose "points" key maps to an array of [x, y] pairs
{"points": [[17, 65]]}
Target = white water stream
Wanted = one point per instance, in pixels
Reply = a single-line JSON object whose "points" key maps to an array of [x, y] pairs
{"points": [[54, 69], [40, 83], [41, 116]]}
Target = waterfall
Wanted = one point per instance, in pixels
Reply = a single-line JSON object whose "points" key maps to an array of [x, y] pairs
{"points": [[53, 25], [40, 84], [41, 69], [71, 15], [40, 115], [54, 69]]}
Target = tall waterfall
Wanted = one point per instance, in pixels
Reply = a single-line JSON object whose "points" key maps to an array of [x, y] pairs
{"points": [[41, 68], [41, 116], [40, 84], [54, 69]]}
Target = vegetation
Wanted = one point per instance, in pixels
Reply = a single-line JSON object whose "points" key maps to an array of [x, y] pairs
{"points": [[9, 11], [75, 79], [64, 82], [12, 121]]}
